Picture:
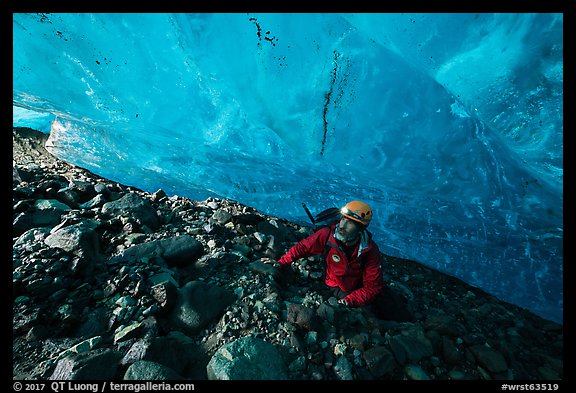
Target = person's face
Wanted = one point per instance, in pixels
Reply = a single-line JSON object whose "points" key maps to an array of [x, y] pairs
{"points": [[348, 229]]}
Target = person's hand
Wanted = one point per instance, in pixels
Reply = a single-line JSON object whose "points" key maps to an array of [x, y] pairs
{"points": [[280, 273], [343, 302], [271, 261]]}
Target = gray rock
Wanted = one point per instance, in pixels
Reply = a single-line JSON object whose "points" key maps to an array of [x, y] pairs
{"points": [[98, 364], [247, 358], [379, 361], [343, 369], [176, 251], [415, 372], [45, 213], [490, 359], [198, 304], [148, 370], [135, 206]]}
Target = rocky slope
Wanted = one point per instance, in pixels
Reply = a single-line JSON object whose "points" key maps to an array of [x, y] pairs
{"points": [[110, 282]]}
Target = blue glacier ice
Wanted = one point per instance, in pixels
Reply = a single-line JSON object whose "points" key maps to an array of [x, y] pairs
{"points": [[450, 125]]}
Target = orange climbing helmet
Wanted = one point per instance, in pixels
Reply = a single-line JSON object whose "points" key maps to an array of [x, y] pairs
{"points": [[358, 211]]}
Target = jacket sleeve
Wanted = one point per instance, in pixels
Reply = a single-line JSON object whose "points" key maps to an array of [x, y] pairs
{"points": [[372, 279], [312, 245]]}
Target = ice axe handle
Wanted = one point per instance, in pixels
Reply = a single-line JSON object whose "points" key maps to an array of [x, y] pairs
{"points": [[309, 214]]}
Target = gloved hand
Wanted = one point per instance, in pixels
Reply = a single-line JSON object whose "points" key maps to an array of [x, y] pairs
{"points": [[343, 302]]}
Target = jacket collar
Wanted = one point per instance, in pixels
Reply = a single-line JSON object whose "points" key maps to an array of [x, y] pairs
{"points": [[364, 241]]}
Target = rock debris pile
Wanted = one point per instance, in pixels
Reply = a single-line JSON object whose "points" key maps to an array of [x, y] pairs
{"points": [[110, 282]]}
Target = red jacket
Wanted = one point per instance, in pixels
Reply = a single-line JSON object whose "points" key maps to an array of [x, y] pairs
{"points": [[366, 283]]}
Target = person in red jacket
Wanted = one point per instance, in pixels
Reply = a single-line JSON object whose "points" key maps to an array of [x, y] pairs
{"points": [[353, 260]]}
